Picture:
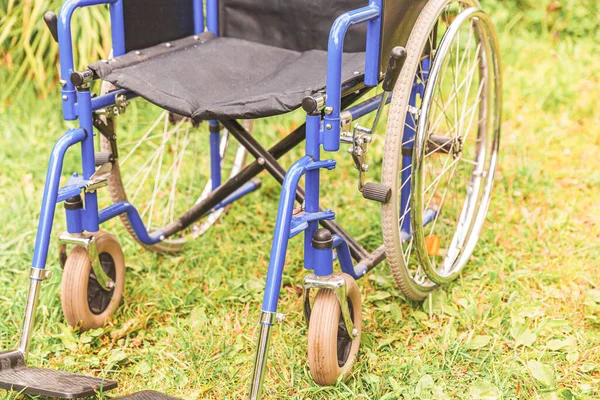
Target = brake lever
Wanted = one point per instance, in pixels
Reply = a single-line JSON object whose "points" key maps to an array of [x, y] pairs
{"points": [[51, 21]]}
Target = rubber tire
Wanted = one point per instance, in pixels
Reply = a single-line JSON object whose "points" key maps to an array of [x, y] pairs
{"points": [[74, 286], [392, 148], [322, 334]]}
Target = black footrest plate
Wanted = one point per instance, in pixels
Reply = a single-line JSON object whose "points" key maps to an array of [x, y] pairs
{"points": [[16, 376], [147, 395]]}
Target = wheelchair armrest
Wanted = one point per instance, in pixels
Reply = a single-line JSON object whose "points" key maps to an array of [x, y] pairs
{"points": [[372, 15], [65, 46]]}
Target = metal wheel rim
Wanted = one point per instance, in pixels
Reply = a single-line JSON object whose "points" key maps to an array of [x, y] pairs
{"points": [[405, 268], [473, 211]]}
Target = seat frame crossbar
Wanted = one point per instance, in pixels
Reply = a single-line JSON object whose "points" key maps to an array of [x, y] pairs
{"points": [[265, 160]]}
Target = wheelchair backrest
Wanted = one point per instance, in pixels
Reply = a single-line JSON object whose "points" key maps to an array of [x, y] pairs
{"points": [[150, 22], [305, 24], [299, 25], [292, 24]]}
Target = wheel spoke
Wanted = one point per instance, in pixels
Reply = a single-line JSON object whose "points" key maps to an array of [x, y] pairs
{"points": [[452, 98], [143, 139], [158, 171], [442, 201], [439, 177], [459, 80]]}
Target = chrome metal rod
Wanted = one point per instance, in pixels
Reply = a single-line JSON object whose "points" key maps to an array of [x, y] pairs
{"points": [[260, 362], [384, 101], [30, 311]]}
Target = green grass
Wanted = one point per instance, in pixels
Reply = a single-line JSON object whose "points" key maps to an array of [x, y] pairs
{"points": [[522, 322]]}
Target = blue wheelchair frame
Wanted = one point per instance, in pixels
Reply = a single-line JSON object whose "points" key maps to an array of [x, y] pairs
{"points": [[80, 104], [320, 132]]}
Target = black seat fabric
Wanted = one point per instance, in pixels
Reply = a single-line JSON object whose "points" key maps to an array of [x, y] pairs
{"points": [[224, 78]]}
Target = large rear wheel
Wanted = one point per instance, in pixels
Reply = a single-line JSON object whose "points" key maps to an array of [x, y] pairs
{"points": [[441, 145], [164, 168]]}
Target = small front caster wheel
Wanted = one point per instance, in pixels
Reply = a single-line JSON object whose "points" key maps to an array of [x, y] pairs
{"points": [[331, 351], [84, 301]]}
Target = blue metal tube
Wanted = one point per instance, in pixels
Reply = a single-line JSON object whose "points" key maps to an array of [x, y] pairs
{"points": [[311, 200], [282, 231], [345, 258], [425, 66], [117, 27], [88, 162], [334, 67], [408, 140], [215, 154], [110, 99], [65, 46], [323, 262], [198, 17], [366, 107], [74, 221], [373, 47], [212, 16], [243, 190], [429, 216], [138, 226], [42, 241], [300, 223]]}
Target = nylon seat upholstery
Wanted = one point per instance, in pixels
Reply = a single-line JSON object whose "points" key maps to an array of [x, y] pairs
{"points": [[268, 56]]}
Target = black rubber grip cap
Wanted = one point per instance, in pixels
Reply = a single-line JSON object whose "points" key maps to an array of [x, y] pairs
{"points": [[79, 78], [377, 192], [309, 104], [73, 203], [397, 59], [322, 239], [52, 23]]}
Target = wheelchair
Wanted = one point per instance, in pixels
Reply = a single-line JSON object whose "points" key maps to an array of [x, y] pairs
{"points": [[205, 70]]}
